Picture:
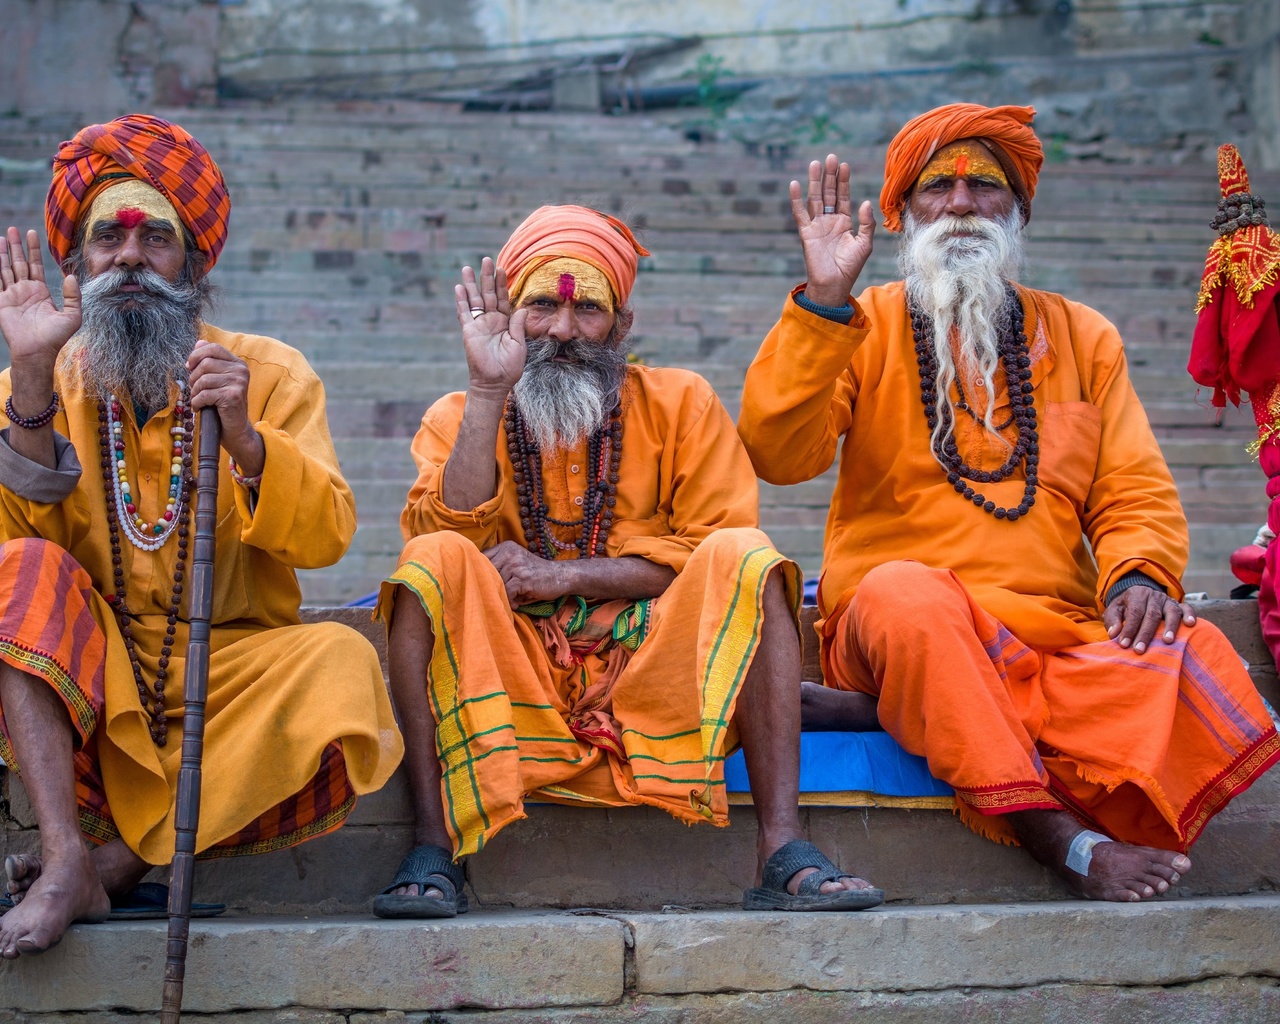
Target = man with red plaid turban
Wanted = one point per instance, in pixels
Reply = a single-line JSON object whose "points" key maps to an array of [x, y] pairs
{"points": [[93, 621], [1001, 581]]}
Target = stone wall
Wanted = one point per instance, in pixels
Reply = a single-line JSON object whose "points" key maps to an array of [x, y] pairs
{"points": [[1113, 79]]}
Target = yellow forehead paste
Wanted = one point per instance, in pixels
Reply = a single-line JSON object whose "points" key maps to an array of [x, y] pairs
{"points": [[961, 160], [132, 202], [568, 280]]}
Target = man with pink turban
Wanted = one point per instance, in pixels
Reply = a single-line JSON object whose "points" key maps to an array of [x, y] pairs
{"points": [[95, 515], [1001, 588], [585, 612]]}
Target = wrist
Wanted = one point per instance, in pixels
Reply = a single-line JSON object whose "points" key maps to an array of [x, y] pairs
{"points": [[248, 450], [831, 296], [487, 401]]}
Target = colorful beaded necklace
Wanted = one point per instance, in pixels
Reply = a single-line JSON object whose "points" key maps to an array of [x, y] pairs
{"points": [[121, 510], [143, 535], [604, 457]]}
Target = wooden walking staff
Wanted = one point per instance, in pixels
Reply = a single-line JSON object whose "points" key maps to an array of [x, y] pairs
{"points": [[195, 693]]}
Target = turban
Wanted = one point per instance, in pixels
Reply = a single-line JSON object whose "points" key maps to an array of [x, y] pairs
{"points": [[151, 150], [573, 232], [1006, 131]]}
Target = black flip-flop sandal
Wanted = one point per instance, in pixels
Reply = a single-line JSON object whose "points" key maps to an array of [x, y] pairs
{"points": [[795, 856], [149, 901], [425, 867]]}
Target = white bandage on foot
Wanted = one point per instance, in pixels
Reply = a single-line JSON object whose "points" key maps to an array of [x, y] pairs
{"points": [[1080, 855]]}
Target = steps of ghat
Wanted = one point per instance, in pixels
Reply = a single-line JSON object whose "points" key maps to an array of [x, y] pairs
{"points": [[1197, 961], [350, 223]]}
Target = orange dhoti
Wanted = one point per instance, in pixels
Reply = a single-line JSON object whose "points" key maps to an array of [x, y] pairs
{"points": [[1145, 748], [508, 713]]}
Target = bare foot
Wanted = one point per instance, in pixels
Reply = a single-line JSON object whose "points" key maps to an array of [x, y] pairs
{"points": [[20, 869], [823, 709], [61, 893], [119, 869], [1118, 872]]}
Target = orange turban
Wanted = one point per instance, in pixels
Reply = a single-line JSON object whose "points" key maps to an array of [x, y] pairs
{"points": [[578, 232], [152, 150], [1006, 131]]}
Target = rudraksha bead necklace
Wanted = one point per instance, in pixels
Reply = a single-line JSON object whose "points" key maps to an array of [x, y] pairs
{"points": [[1015, 356], [111, 446], [604, 449]]}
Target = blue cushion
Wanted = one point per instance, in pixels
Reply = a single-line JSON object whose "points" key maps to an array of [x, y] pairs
{"points": [[836, 762]]}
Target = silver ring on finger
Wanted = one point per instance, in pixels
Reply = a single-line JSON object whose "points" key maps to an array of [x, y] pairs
{"points": [[477, 312], [828, 209]]}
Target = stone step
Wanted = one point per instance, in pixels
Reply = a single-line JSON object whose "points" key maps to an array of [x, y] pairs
{"points": [[1193, 960]]}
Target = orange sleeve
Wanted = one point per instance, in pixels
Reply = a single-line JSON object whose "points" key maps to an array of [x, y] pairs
{"points": [[1132, 514], [797, 400], [425, 510], [708, 478]]}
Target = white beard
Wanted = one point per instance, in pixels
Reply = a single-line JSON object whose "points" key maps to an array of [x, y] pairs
{"points": [[958, 281]]}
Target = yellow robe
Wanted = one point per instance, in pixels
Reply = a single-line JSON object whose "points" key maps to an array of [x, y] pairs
{"points": [[279, 692]]}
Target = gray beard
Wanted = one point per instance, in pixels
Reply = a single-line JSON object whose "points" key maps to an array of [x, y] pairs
{"points": [[564, 403], [134, 344], [959, 283]]}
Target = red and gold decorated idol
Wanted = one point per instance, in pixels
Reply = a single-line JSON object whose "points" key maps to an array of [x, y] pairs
{"points": [[1236, 351], [96, 492]]}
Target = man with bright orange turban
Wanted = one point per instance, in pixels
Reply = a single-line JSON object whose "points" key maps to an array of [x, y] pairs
{"points": [[585, 612], [1001, 588], [95, 495]]}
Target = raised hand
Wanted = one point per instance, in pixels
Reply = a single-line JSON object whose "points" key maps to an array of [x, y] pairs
{"points": [[491, 334], [33, 327], [833, 254]]}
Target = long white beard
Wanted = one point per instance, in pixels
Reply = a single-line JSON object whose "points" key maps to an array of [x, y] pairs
{"points": [[563, 403], [134, 344], [958, 281]]}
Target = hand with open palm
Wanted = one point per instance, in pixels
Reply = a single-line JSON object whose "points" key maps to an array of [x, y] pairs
{"points": [[834, 254], [492, 335], [33, 327]]}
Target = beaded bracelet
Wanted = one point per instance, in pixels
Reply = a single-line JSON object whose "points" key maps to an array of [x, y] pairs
{"points": [[31, 422], [244, 481]]}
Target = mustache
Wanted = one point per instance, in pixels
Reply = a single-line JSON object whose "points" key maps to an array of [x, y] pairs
{"points": [[107, 288]]}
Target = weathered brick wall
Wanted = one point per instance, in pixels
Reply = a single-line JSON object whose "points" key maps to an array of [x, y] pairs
{"points": [[350, 224]]}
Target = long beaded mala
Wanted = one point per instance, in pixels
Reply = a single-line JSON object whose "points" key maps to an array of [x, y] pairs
{"points": [[122, 512], [1016, 358], [604, 454]]}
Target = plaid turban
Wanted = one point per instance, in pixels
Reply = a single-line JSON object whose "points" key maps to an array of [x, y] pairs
{"points": [[152, 150], [1006, 131]]}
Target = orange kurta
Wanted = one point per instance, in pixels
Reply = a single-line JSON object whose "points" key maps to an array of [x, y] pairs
{"points": [[280, 693], [686, 498], [1024, 592]]}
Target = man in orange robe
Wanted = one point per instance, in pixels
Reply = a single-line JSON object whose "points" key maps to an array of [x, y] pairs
{"points": [[95, 491], [585, 612], [1004, 547]]}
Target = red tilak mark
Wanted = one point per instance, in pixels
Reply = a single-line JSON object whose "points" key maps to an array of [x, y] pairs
{"points": [[962, 165], [567, 287], [130, 217]]}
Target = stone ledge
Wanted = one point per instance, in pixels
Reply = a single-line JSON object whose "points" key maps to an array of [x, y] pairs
{"points": [[1046, 962], [918, 948], [482, 960]]}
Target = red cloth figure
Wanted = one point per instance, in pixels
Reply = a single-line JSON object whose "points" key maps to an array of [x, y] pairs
{"points": [[1236, 345]]}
